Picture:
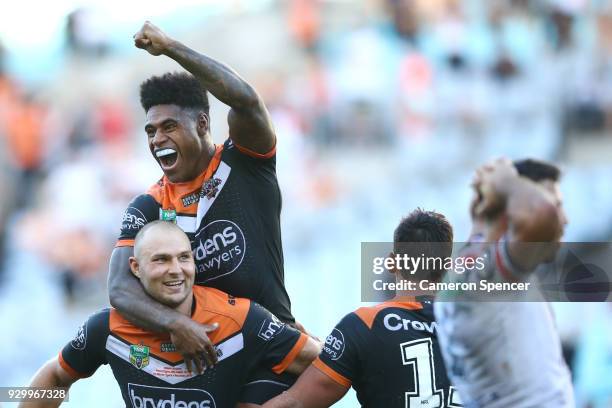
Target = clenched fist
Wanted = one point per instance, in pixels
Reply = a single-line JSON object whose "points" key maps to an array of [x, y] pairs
{"points": [[489, 183], [152, 39]]}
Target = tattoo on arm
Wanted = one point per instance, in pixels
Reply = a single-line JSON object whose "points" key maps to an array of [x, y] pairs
{"points": [[222, 81]]}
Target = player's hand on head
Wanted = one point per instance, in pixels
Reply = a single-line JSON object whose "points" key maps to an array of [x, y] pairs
{"points": [[151, 39], [488, 183], [191, 340], [502, 169]]}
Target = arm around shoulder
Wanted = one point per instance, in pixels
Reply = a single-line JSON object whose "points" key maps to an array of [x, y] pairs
{"points": [[119, 276]]}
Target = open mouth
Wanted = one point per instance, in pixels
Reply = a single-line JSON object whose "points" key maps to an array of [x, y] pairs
{"points": [[176, 284], [167, 157]]}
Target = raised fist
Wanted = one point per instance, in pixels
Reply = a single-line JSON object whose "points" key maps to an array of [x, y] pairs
{"points": [[488, 183], [152, 39]]}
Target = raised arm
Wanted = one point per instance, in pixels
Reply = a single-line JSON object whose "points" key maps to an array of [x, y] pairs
{"points": [[249, 122], [51, 375], [128, 296], [531, 212]]}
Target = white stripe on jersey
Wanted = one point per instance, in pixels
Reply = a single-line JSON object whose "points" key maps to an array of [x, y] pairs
{"points": [[187, 223], [173, 374], [222, 173]]}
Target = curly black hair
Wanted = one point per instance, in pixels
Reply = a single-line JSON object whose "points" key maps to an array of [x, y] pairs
{"points": [[537, 170], [424, 233], [176, 88]]}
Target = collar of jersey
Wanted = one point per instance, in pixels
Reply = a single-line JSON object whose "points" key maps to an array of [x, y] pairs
{"points": [[188, 186]]}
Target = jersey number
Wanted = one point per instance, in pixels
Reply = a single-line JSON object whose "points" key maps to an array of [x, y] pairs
{"points": [[419, 355]]}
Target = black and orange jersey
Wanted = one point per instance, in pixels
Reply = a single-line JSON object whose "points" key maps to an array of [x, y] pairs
{"points": [[150, 372], [231, 213], [389, 353]]}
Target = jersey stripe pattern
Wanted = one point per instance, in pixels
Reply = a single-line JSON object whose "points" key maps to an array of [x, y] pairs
{"points": [[231, 214], [149, 370]]}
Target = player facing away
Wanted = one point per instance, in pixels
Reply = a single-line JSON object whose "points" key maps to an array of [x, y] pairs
{"points": [[508, 354], [226, 198], [147, 366], [389, 353]]}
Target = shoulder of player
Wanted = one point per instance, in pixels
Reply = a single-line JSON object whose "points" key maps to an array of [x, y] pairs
{"points": [[121, 326], [213, 305], [156, 191], [94, 331], [101, 315], [367, 315], [140, 211], [144, 203], [99, 320]]}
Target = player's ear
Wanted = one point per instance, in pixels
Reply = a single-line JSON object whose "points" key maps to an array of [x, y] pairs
{"points": [[202, 123], [134, 266]]}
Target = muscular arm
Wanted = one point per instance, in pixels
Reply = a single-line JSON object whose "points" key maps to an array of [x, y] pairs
{"points": [[249, 122], [50, 375], [312, 390], [532, 213], [309, 352], [534, 222]]}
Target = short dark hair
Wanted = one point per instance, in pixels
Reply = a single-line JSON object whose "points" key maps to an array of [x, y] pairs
{"points": [[174, 88], [431, 234], [537, 170]]}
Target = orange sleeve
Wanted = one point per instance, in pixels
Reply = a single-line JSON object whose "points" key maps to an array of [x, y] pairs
{"points": [[331, 373], [256, 155], [73, 373], [124, 243], [299, 345]]}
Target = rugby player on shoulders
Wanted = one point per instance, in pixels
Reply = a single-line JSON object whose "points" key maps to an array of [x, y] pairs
{"points": [[147, 366], [388, 353], [226, 198], [507, 354]]}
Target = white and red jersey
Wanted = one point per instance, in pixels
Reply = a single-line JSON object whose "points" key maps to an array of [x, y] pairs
{"points": [[502, 354]]}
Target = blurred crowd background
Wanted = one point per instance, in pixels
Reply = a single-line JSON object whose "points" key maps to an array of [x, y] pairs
{"points": [[380, 106]]}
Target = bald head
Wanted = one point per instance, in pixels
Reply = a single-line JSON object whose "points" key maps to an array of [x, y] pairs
{"points": [[155, 232], [164, 263]]}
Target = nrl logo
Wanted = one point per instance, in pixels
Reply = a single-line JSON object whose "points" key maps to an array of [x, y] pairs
{"points": [[168, 215], [139, 356], [210, 188]]}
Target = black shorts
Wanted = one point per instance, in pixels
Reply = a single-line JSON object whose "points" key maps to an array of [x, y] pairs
{"points": [[264, 384]]}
